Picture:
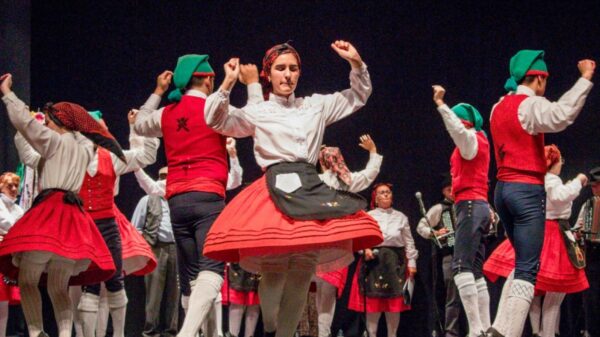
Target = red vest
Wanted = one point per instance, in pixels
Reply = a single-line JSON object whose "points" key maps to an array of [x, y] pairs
{"points": [[470, 177], [97, 192], [196, 154], [519, 155]]}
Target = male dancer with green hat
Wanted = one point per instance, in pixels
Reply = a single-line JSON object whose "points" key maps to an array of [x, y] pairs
{"points": [[197, 163], [469, 166], [518, 123]]}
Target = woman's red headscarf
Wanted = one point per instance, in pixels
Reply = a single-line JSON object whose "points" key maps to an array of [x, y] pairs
{"points": [[552, 155], [374, 193], [331, 158], [270, 57]]}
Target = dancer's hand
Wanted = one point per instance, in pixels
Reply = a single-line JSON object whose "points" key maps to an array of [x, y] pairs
{"points": [[162, 82], [438, 94], [583, 178], [369, 254], [587, 68], [132, 116], [6, 84], [367, 143], [347, 51], [232, 72], [248, 73], [230, 146], [440, 232]]}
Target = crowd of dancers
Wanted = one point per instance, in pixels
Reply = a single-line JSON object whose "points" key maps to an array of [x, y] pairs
{"points": [[295, 224]]}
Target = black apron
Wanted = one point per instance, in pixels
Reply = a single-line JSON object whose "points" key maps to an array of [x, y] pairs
{"points": [[242, 280], [299, 193], [576, 253], [384, 276]]}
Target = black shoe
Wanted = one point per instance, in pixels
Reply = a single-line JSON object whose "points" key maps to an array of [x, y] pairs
{"points": [[491, 332], [269, 334]]}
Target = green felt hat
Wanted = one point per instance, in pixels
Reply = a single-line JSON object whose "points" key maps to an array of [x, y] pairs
{"points": [[97, 114], [524, 63], [468, 113], [188, 66]]}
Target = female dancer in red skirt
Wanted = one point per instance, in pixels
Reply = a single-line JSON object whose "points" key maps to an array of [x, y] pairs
{"points": [[336, 174], [10, 212], [288, 224], [56, 236], [558, 274], [382, 266]]}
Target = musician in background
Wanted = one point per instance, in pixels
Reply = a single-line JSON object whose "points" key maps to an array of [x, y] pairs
{"points": [[588, 224], [469, 165], [442, 219]]}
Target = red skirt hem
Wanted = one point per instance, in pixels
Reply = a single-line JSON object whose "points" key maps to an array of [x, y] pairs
{"points": [[138, 258], [336, 278], [556, 274]]}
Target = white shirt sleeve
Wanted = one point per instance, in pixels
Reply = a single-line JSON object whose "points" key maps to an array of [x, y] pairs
{"points": [[341, 104], [581, 216], [409, 245], [557, 191], [148, 121], [363, 179], [139, 215], [234, 177], [225, 119], [464, 139], [150, 186], [539, 115], [6, 219], [26, 153], [434, 215], [138, 156]]}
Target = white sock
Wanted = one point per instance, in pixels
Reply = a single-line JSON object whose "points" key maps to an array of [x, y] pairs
{"points": [[535, 314], [465, 282], [207, 287], [270, 291], [252, 314], [59, 273], [31, 300], [503, 298], [3, 317], [103, 313], [75, 294], [218, 308], [326, 298], [236, 313], [117, 305], [88, 313], [551, 313], [293, 301], [372, 323], [517, 308], [392, 321], [483, 298]]}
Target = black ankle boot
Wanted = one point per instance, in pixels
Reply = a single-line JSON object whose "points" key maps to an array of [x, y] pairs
{"points": [[491, 332]]}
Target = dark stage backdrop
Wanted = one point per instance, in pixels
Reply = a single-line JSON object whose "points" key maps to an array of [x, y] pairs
{"points": [[106, 55]]}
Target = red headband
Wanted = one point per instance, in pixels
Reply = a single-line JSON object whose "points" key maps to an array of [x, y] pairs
{"points": [[270, 57]]}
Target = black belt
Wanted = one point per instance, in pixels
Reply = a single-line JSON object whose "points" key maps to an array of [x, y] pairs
{"points": [[69, 197]]}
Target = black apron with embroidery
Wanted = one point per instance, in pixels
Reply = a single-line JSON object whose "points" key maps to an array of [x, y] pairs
{"points": [[384, 276], [313, 200], [576, 253], [242, 280]]}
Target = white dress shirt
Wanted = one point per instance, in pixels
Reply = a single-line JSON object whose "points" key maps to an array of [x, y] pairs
{"points": [[559, 196], [10, 212], [66, 156], [434, 215], [396, 232], [539, 115], [464, 139], [360, 180], [287, 129]]}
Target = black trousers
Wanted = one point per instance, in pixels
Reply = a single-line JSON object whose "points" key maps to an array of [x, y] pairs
{"points": [[192, 214], [110, 232], [591, 296]]}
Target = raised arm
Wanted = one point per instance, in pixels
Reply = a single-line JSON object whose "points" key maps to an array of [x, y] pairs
{"points": [[142, 152], [539, 115], [27, 154], [464, 139], [557, 191], [234, 177], [341, 104], [148, 122], [363, 179]]}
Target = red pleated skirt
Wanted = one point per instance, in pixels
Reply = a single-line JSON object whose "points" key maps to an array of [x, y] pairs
{"points": [[556, 274], [231, 295], [9, 293], [356, 301], [251, 226], [61, 229], [336, 278], [138, 258]]}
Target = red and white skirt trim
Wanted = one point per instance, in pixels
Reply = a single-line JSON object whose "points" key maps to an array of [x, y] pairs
{"points": [[252, 227], [556, 274]]}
